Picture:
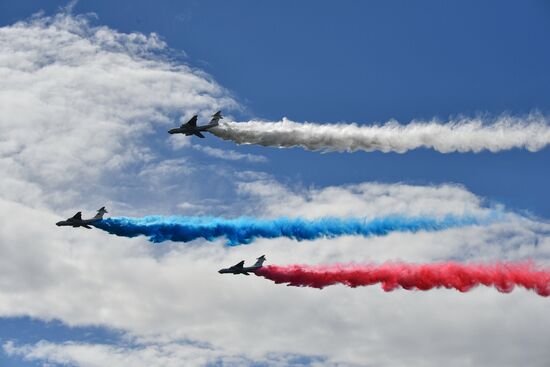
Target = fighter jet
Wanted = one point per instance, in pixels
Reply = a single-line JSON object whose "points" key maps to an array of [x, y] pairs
{"points": [[241, 269], [77, 221], [191, 128]]}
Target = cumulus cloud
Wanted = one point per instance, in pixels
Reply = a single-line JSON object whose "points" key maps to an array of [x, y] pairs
{"points": [[531, 132], [174, 293], [367, 199], [79, 101], [230, 155], [166, 355]]}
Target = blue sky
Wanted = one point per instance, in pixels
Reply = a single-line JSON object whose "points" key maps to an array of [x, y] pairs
{"points": [[364, 62], [348, 61], [27, 330]]}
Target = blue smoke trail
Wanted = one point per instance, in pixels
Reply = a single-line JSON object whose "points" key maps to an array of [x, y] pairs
{"points": [[244, 230]]}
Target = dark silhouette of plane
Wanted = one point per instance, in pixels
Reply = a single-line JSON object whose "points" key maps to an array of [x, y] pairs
{"points": [[77, 221], [191, 128], [241, 269]]}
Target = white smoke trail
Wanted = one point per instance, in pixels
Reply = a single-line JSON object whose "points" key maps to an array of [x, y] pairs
{"points": [[531, 132]]}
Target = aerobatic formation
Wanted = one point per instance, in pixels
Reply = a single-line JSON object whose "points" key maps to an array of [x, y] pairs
{"points": [[461, 136]]}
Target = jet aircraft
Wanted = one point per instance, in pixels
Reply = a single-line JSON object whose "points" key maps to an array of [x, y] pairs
{"points": [[77, 221], [191, 128], [241, 269]]}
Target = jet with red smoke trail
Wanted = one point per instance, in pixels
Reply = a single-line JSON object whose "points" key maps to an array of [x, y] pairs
{"points": [[241, 269]]}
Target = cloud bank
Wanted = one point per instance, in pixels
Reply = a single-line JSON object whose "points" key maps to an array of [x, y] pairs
{"points": [[79, 103], [461, 135], [229, 155], [141, 355], [153, 293]]}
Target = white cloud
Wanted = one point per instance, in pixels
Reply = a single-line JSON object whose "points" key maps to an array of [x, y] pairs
{"points": [[79, 103], [166, 355], [229, 155], [363, 200]]}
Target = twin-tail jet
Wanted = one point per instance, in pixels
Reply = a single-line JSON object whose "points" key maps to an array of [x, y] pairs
{"points": [[241, 269], [77, 221], [191, 128]]}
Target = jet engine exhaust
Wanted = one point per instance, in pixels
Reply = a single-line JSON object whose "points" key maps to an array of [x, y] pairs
{"points": [[451, 275], [245, 230], [461, 135]]}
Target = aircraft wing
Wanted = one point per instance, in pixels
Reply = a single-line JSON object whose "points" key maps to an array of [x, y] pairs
{"points": [[77, 216], [86, 226], [238, 266], [198, 133], [191, 122]]}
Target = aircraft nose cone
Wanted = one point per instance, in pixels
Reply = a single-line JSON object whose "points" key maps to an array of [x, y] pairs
{"points": [[219, 271], [58, 224]]}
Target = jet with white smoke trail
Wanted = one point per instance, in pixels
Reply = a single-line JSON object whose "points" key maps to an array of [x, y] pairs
{"points": [[461, 135], [191, 128], [245, 230]]}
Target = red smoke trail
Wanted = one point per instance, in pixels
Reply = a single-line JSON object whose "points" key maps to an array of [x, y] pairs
{"points": [[463, 277]]}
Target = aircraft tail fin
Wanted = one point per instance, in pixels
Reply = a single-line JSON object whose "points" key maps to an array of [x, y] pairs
{"points": [[216, 118], [260, 261], [100, 212]]}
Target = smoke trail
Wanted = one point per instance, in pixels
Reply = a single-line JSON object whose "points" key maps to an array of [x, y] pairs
{"points": [[464, 135], [463, 277], [245, 230]]}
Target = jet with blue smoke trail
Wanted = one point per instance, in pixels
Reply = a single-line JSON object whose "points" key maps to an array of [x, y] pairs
{"points": [[77, 221], [245, 230]]}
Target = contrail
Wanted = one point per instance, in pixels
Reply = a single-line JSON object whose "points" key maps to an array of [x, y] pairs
{"points": [[245, 230], [463, 277], [461, 135]]}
